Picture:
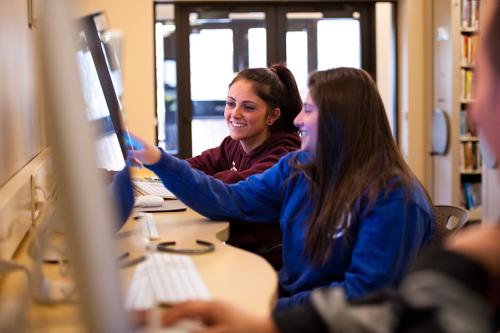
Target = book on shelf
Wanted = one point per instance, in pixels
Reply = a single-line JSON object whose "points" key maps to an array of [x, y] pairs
{"points": [[470, 14], [468, 80], [466, 5], [464, 128], [474, 14], [462, 157], [475, 156], [462, 85], [470, 157], [472, 194], [469, 47]]}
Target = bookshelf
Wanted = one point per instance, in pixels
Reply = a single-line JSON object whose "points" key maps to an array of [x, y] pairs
{"points": [[457, 176], [470, 156]]}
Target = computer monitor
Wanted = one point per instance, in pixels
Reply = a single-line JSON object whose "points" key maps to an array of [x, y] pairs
{"points": [[101, 85], [82, 195]]}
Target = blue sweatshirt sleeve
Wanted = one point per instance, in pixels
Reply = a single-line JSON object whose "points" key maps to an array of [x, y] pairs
{"points": [[388, 241], [123, 194], [256, 199]]}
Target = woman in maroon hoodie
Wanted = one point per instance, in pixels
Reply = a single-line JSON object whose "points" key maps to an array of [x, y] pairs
{"points": [[260, 108]]}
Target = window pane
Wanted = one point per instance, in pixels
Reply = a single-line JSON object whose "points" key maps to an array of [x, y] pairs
{"points": [[339, 43], [257, 55], [220, 44], [211, 57], [296, 57], [211, 52]]}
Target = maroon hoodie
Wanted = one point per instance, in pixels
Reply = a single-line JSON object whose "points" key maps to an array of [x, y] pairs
{"points": [[230, 163]]}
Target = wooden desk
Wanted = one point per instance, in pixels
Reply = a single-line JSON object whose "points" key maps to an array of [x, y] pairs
{"points": [[231, 274]]}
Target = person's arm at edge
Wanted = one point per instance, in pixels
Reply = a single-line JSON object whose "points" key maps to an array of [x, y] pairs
{"points": [[124, 195]]}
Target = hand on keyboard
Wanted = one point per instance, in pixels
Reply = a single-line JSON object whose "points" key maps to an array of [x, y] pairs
{"points": [[151, 322], [219, 317]]}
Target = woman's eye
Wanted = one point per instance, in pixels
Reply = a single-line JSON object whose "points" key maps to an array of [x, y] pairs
{"points": [[230, 103], [249, 107], [308, 107]]}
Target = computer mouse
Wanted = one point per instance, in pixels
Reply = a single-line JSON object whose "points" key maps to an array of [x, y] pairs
{"points": [[55, 291], [148, 201]]}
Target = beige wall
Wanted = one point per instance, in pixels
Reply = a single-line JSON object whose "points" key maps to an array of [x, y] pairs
{"points": [[415, 84], [135, 19]]}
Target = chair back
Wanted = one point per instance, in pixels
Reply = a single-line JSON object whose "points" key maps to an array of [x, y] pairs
{"points": [[448, 220]]}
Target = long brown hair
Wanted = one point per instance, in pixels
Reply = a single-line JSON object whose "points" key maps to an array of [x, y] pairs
{"points": [[356, 156], [277, 87]]}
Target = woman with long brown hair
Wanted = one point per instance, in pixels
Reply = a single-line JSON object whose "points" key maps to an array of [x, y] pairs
{"points": [[356, 159], [351, 212]]}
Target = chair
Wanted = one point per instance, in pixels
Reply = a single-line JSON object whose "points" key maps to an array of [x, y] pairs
{"points": [[262, 239], [448, 220]]}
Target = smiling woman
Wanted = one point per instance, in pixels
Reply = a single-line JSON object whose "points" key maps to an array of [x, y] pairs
{"points": [[260, 107], [247, 116]]}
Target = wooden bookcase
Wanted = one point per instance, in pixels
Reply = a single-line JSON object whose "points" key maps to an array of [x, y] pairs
{"points": [[457, 175], [470, 156]]}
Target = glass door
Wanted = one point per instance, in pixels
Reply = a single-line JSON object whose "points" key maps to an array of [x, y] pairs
{"points": [[221, 43], [207, 44], [326, 38]]}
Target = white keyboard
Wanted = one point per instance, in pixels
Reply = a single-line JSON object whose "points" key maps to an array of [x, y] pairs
{"points": [[148, 225], [146, 187], [165, 278]]}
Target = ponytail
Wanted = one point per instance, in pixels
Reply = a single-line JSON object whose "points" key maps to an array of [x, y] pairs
{"points": [[292, 103]]}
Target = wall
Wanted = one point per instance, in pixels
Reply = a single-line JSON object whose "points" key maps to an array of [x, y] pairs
{"points": [[446, 177], [20, 130], [135, 19], [385, 55], [415, 84]]}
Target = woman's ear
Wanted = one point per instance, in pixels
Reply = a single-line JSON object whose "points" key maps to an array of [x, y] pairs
{"points": [[273, 116]]}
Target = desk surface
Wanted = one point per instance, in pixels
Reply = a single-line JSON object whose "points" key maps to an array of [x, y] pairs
{"points": [[230, 274]]}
